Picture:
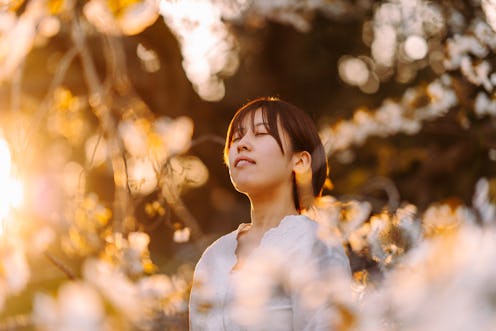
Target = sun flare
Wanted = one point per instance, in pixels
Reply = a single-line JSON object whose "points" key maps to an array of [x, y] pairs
{"points": [[11, 191]]}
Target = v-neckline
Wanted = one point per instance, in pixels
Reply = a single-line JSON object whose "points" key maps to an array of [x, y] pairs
{"points": [[235, 266]]}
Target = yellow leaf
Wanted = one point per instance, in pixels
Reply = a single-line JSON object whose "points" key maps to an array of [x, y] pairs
{"points": [[117, 6], [56, 6], [10, 5]]}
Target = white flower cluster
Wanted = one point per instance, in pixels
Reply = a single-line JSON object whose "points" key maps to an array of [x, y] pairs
{"points": [[149, 144], [468, 53], [209, 50], [387, 237], [392, 117], [19, 34], [390, 236], [476, 43], [443, 284], [442, 258], [134, 301], [442, 218], [402, 29], [131, 18]]}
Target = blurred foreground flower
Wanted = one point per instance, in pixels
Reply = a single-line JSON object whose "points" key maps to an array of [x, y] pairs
{"points": [[150, 145], [445, 283], [391, 236], [107, 300], [15, 271], [444, 218], [78, 307]]}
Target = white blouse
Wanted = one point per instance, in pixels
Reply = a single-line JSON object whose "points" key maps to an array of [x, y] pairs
{"points": [[284, 284]]}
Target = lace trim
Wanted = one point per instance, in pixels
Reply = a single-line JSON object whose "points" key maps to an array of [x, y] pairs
{"points": [[274, 234]]}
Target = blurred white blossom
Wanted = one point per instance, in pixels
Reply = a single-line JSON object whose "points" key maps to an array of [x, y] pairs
{"points": [[149, 146], [484, 106], [16, 272], [128, 18], [115, 286], [445, 283], [182, 235], [209, 50], [489, 8], [483, 202], [139, 241], [391, 117], [444, 218], [142, 175], [17, 36], [78, 307]]}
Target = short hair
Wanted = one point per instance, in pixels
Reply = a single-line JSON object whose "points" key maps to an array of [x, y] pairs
{"points": [[297, 124]]}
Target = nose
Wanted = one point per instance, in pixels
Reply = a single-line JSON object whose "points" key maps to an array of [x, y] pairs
{"points": [[244, 143]]}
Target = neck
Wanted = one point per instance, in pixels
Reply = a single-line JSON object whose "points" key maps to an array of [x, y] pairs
{"points": [[268, 209]]}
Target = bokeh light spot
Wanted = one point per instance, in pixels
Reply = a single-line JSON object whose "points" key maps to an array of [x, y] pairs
{"points": [[353, 71], [416, 47]]}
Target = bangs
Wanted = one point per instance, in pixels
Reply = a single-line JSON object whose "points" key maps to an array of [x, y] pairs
{"points": [[269, 117]]}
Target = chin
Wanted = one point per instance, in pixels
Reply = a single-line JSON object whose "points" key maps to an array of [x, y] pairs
{"points": [[244, 186], [245, 189], [251, 188]]}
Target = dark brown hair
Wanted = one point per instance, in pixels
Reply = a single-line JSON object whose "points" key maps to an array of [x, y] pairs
{"points": [[296, 123]]}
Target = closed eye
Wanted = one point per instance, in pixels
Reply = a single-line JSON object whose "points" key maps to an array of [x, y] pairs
{"points": [[236, 136], [261, 133]]}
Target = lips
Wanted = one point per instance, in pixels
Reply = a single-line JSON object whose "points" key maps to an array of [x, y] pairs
{"points": [[243, 160]]}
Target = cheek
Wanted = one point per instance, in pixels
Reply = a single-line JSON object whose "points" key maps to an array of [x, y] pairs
{"points": [[230, 157]]}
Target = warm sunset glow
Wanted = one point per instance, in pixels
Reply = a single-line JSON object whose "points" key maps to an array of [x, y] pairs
{"points": [[11, 192], [5, 159]]}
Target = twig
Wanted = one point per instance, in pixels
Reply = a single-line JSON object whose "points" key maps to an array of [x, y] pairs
{"points": [[102, 111], [57, 263], [388, 187], [44, 107], [175, 202], [173, 198]]}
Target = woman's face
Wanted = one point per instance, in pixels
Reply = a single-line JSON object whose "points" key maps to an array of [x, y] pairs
{"points": [[256, 162]]}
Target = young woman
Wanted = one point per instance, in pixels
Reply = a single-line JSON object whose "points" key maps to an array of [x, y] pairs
{"points": [[272, 273]]}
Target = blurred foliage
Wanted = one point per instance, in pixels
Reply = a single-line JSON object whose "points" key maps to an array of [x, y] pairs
{"points": [[113, 118]]}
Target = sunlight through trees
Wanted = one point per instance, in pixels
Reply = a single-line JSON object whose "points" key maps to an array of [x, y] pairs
{"points": [[98, 176]]}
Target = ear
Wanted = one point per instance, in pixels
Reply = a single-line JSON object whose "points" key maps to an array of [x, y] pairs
{"points": [[302, 168], [302, 162]]}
